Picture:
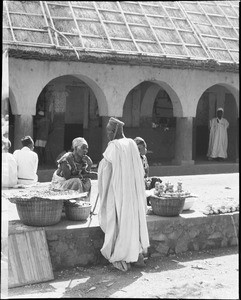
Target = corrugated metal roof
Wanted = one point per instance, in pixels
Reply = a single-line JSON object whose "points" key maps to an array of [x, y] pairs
{"points": [[199, 30]]}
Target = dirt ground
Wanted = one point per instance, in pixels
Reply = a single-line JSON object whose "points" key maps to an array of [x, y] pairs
{"points": [[209, 274]]}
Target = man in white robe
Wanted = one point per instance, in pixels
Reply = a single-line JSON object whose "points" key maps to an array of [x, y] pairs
{"points": [[27, 161], [122, 213], [218, 138]]}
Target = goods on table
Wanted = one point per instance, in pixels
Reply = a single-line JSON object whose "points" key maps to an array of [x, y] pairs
{"points": [[42, 207], [168, 191], [166, 201], [223, 208]]}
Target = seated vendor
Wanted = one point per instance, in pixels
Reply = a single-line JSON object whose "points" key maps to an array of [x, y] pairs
{"points": [[27, 161], [142, 147], [149, 181], [74, 169]]}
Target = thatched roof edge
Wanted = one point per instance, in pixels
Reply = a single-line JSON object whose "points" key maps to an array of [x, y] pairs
{"points": [[44, 54]]}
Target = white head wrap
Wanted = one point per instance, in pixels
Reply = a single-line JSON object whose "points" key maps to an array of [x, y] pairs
{"points": [[79, 141], [220, 108]]}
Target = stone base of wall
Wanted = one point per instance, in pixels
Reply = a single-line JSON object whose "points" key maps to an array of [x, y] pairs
{"points": [[192, 232], [73, 243]]}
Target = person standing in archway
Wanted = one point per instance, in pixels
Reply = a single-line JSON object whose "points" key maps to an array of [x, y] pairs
{"points": [[218, 137], [42, 133]]}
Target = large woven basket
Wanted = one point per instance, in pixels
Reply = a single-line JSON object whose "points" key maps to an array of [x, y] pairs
{"points": [[39, 211], [167, 207], [75, 212]]}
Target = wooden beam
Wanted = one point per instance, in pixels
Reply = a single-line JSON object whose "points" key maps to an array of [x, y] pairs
{"points": [[76, 24], [103, 25], [129, 30]]}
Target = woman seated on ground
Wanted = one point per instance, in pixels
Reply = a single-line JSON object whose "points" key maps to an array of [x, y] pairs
{"points": [[74, 169]]}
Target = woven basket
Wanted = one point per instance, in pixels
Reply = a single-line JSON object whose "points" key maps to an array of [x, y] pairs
{"points": [[39, 211], [75, 212], [167, 207]]}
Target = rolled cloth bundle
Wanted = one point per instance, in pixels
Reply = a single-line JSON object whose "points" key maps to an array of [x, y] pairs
{"points": [[114, 124]]}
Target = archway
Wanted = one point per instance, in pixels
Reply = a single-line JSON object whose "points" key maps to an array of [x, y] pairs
{"points": [[71, 109], [148, 112], [213, 98]]}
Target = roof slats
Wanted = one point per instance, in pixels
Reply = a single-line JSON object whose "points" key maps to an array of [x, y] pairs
{"points": [[186, 29]]}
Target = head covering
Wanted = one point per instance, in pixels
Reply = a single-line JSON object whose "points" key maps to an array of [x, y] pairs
{"points": [[113, 122], [140, 141], [220, 108], [79, 141], [27, 140]]}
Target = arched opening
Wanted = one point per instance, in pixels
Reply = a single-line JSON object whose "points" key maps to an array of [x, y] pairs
{"points": [[148, 113], [213, 98], [71, 110]]}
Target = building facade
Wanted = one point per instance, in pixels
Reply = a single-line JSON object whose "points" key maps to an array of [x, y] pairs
{"points": [[167, 100]]}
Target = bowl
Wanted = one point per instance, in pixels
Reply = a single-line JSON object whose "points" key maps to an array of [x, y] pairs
{"points": [[188, 203]]}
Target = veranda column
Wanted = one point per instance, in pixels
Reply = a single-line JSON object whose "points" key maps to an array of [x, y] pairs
{"points": [[23, 126], [183, 141], [104, 136]]}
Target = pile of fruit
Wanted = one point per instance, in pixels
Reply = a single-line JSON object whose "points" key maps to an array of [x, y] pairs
{"points": [[212, 209], [168, 191]]}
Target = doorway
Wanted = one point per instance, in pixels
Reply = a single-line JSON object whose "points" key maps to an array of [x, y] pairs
{"points": [[74, 114]]}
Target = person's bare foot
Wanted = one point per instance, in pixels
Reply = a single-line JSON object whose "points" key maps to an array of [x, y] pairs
{"points": [[121, 265]]}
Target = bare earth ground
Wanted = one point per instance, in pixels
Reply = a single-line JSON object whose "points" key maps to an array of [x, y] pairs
{"points": [[209, 274], [199, 275]]}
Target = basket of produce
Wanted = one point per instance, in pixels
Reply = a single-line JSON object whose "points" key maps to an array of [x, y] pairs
{"points": [[41, 208], [77, 210], [167, 206], [166, 202]]}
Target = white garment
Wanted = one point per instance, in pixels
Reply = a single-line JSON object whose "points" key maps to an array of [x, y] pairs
{"points": [[60, 183], [122, 213], [27, 161], [218, 138], [9, 170]]}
